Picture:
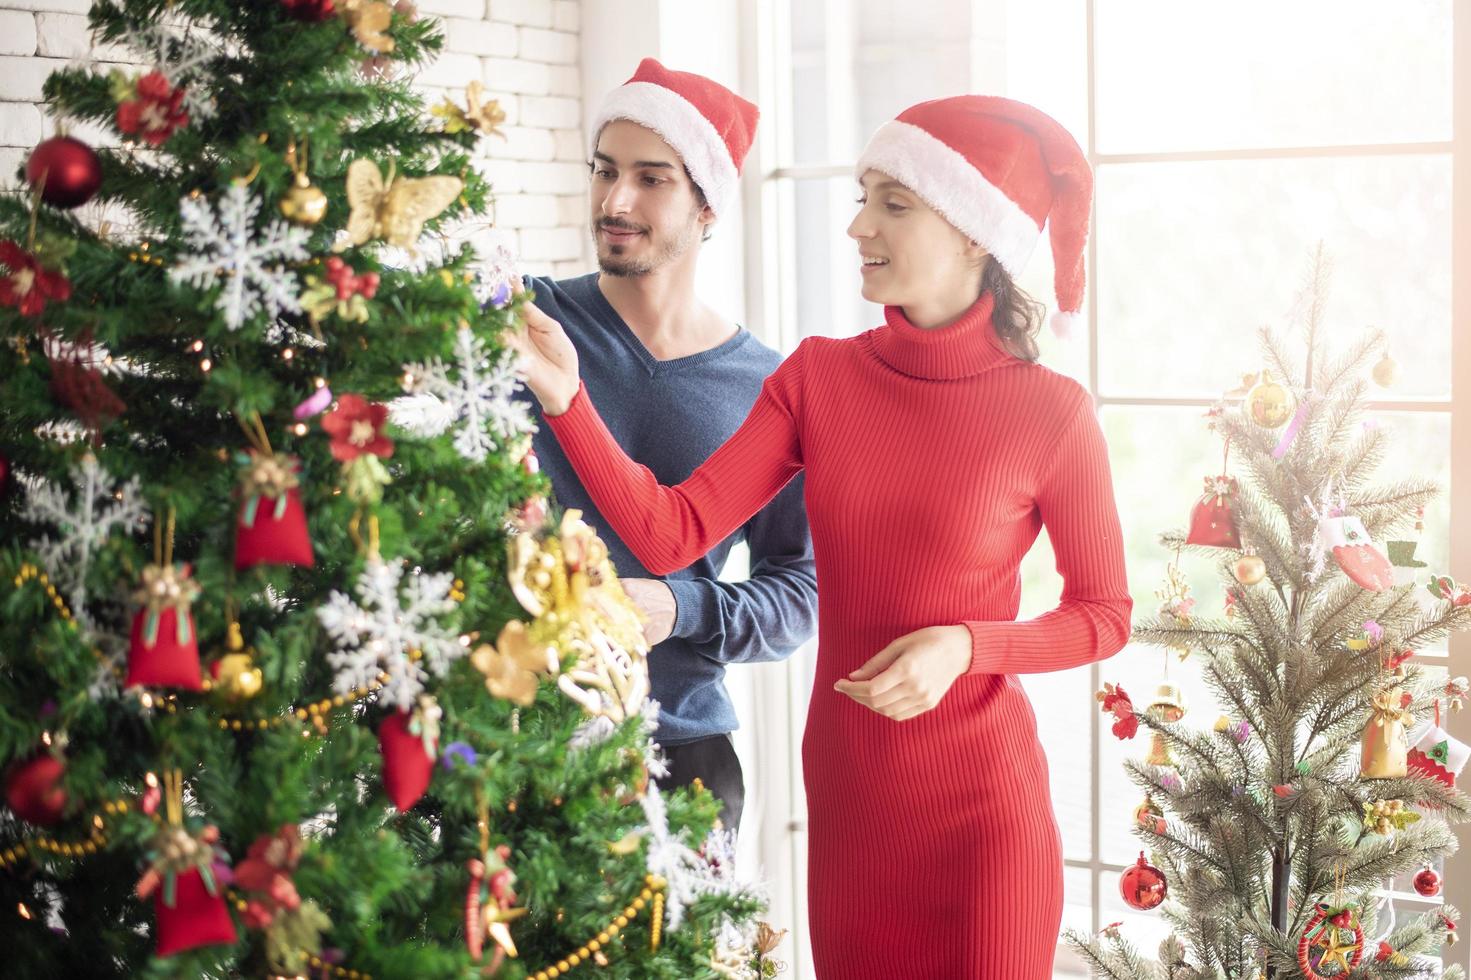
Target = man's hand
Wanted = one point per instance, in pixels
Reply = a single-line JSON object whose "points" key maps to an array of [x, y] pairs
{"points": [[910, 676], [548, 361], [656, 601]]}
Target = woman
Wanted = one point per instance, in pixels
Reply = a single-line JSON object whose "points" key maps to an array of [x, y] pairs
{"points": [[934, 451]]}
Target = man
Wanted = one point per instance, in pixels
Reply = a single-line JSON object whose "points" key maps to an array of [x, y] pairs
{"points": [[673, 379]]}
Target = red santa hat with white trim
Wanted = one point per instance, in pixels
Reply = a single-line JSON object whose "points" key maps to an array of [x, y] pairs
{"points": [[708, 125], [999, 171]]}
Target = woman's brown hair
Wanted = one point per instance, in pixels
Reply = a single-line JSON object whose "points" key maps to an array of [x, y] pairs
{"points": [[1017, 318]]}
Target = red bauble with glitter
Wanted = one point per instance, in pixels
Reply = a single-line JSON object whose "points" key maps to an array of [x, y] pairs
{"points": [[66, 171], [33, 790], [1427, 882], [1143, 886]]}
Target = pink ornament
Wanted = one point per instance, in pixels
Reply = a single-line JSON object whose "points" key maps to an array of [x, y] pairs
{"points": [[315, 404]]}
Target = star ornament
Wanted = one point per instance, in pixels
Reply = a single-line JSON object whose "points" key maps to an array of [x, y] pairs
{"points": [[1334, 951]]}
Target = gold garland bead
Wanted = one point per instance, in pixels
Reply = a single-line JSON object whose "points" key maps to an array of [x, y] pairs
{"points": [[301, 714], [604, 937], [563, 965]]}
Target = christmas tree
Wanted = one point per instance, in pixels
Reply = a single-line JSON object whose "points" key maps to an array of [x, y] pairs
{"points": [[1266, 839], [299, 674]]}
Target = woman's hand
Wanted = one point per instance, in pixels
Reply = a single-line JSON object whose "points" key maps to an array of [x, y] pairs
{"points": [[910, 676], [548, 360]]}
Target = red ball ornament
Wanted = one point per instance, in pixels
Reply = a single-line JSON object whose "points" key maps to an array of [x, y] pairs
{"points": [[4, 474], [311, 11], [1143, 886], [33, 790], [1427, 882], [67, 171]]}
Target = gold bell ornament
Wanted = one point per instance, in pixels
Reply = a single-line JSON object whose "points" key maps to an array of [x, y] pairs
{"points": [[1168, 706]]}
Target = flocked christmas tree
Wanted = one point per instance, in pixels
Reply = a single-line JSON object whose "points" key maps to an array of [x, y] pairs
{"points": [[281, 689], [1267, 840]]}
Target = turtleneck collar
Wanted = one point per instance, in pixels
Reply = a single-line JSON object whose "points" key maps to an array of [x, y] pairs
{"points": [[964, 348]]}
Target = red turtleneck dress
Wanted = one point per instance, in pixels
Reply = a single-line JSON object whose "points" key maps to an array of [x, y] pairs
{"points": [[932, 459]]}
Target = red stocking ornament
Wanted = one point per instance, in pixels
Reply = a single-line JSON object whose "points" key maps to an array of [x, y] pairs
{"points": [[1345, 537], [272, 528], [163, 650], [1440, 756]]}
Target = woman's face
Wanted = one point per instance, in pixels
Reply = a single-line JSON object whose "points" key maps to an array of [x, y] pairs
{"points": [[911, 256]]}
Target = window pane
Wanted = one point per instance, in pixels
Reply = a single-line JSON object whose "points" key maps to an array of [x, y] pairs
{"points": [[824, 294], [1261, 73], [1046, 60], [1077, 913], [1060, 699], [855, 65], [1194, 257]]}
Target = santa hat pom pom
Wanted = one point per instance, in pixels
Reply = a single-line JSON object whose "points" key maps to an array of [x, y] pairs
{"points": [[1062, 324]]}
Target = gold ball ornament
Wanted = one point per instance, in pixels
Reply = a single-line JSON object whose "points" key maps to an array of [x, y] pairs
{"points": [[303, 204], [239, 679], [1249, 570], [1268, 404], [1385, 372]]}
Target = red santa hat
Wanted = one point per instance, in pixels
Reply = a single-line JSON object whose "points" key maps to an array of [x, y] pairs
{"points": [[707, 124], [998, 170]]}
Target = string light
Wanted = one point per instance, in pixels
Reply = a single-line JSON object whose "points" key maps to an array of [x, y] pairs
{"points": [[287, 354], [205, 364]]}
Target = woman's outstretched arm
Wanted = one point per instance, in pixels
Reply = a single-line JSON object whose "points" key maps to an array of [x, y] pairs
{"points": [[668, 528]]}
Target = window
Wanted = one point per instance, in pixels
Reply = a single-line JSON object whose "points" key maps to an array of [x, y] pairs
{"points": [[1227, 141]]}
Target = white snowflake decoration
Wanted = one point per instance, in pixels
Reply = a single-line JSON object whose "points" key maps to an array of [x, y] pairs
{"points": [[228, 245], [90, 356], [688, 875], [84, 516], [475, 393], [183, 59], [599, 728], [377, 634], [497, 278]]}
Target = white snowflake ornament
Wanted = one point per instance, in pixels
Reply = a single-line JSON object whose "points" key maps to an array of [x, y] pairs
{"points": [[688, 874], [476, 394], [380, 632], [84, 516], [229, 247]]}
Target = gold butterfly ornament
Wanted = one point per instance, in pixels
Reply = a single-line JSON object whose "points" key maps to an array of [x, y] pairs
{"points": [[394, 210], [368, 20], [481, 115]]}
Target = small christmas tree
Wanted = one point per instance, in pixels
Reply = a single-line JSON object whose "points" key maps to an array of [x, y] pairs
{"points": [[298, 675], [1267, 837]]}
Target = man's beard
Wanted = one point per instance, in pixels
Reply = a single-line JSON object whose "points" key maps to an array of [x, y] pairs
{"points": [[628, 267]]}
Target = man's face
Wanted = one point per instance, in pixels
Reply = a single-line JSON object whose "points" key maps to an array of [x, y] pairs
{"points": [[646, 212]]}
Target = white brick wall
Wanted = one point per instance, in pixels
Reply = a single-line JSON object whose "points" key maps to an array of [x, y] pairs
{"points": [[526, 52]]}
